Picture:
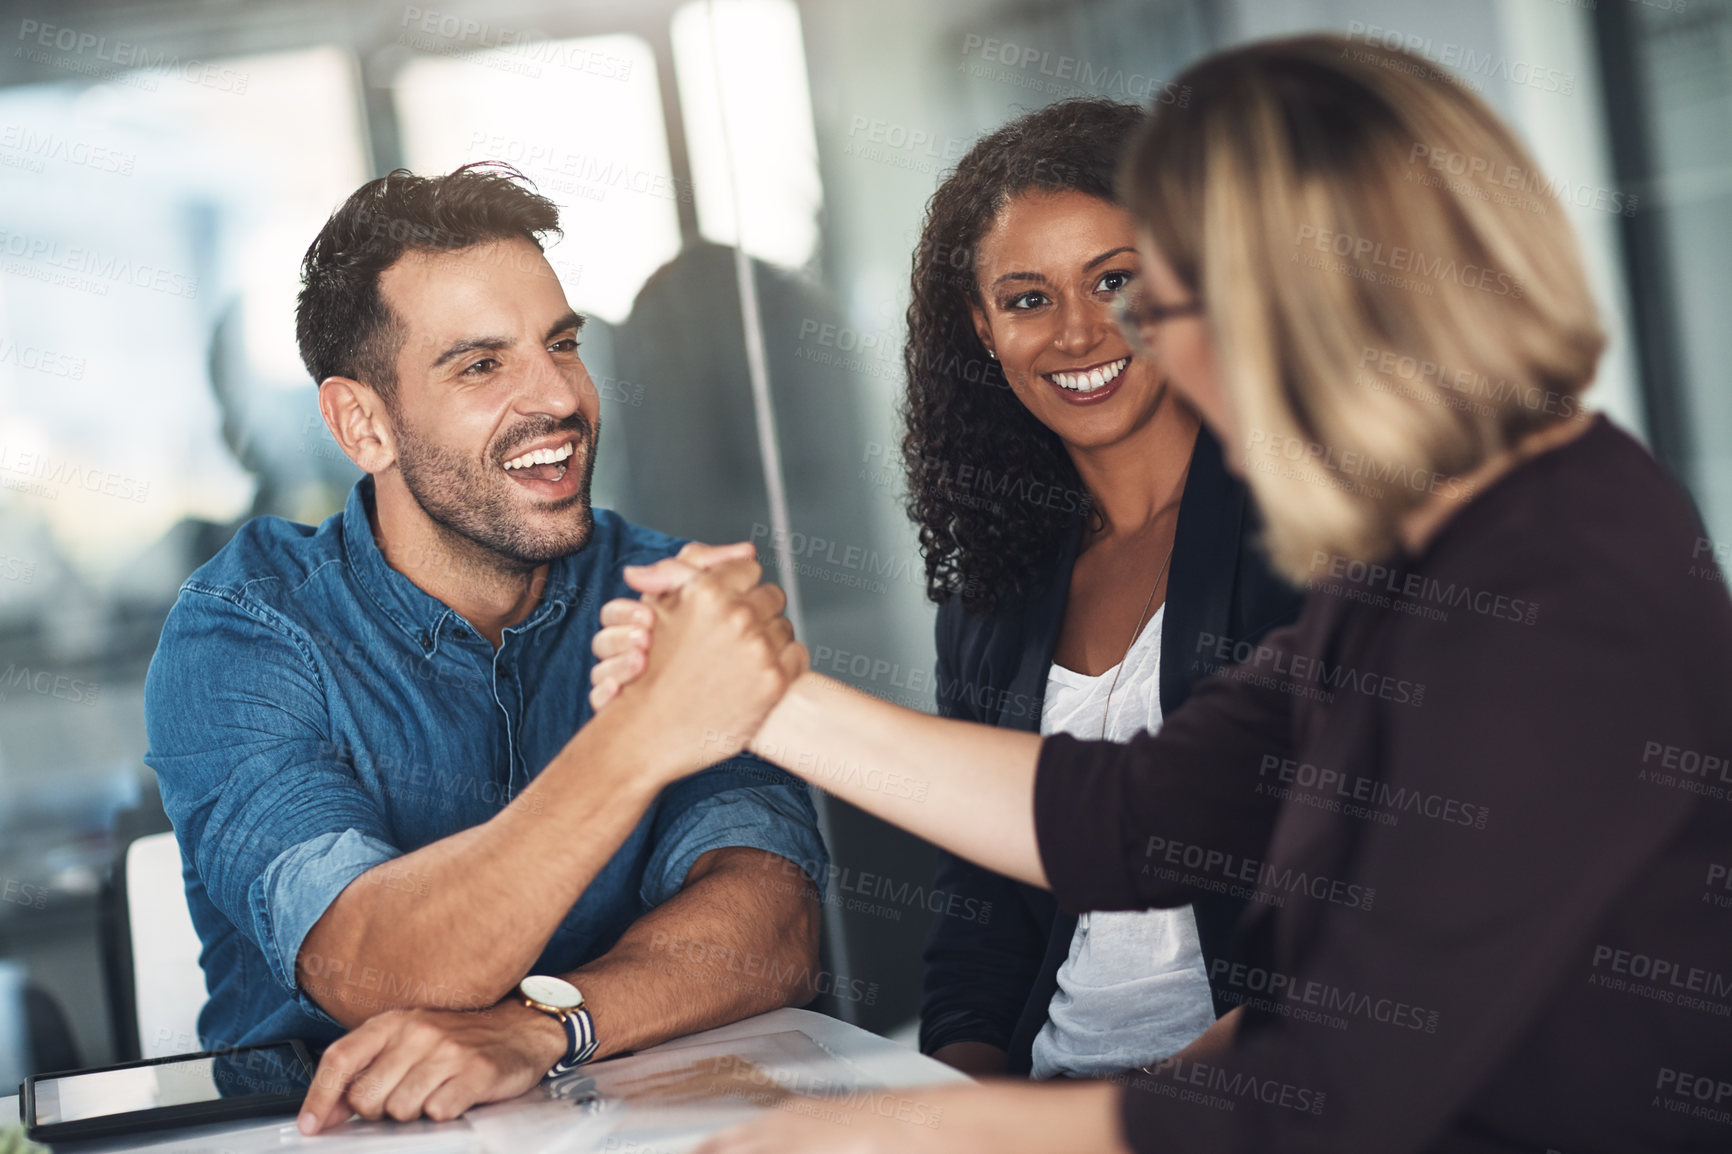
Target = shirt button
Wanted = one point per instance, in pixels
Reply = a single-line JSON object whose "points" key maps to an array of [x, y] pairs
{"points": [[426, 642]]}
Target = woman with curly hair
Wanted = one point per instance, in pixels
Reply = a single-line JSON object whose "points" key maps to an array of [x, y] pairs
{"points": [[1081, 537]]}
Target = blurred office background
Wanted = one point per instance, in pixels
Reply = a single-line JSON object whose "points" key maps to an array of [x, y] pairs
{"points": [[163, 165]]}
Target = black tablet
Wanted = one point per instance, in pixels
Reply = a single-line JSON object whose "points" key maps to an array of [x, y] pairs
{"points": [[182, 1090]]}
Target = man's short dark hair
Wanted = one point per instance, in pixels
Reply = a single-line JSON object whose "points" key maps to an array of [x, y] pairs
{"points": [[342, 324]]}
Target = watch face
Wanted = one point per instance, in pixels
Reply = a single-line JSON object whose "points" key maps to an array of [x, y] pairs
{"points": [[551, 991]]}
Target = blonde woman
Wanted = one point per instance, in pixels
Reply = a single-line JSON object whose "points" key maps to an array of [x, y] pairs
{"points": [[1474, 791]]}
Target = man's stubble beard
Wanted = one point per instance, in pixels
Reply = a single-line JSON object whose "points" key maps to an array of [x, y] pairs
{"points": [[475, 513]]}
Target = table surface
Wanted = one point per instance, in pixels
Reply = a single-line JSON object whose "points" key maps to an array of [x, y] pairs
{"points": [[790, 1048]]}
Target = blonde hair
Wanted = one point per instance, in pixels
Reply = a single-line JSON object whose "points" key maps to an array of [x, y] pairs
{"points": [[1393, 294]]}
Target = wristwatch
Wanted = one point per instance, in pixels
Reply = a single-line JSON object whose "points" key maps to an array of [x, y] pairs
{"points": [[558, 998]]}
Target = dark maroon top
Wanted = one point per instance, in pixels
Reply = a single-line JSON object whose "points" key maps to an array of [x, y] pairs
{"points": [[1482, 801]]}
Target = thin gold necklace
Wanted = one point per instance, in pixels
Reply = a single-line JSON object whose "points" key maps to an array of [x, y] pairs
{"points": [[1135, 629]]}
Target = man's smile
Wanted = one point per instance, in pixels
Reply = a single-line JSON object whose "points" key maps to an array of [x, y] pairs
{"points": [[544, 467]]}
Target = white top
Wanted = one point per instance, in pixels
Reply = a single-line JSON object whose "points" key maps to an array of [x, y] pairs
{"points": [[1134, 988]]}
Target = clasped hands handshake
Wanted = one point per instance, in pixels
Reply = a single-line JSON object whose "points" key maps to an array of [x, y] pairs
{"points": [[723, 654]]}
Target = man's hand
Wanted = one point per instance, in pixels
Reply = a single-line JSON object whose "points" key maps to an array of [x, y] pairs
{"points": [[405, 1063], [622, 645], [724, 655], [623, 642]]}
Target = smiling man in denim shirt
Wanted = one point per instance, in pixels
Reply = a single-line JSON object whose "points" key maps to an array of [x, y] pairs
{"points": [[374, 738]]}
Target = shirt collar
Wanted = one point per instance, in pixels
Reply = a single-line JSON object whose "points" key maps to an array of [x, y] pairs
{"points": [[419, 614]]}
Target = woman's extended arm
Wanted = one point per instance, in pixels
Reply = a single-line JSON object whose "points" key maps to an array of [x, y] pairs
{"points": [[971, 789], [1002, 1116], [967, 788]]}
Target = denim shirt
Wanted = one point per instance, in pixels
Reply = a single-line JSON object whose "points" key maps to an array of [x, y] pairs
{"points": [[312, 714]]}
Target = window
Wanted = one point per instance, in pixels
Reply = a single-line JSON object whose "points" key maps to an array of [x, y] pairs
{"points": [[582, 118], [748, 114]]}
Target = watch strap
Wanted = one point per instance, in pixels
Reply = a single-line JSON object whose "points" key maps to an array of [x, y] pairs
{"points": [[580, 1041]]}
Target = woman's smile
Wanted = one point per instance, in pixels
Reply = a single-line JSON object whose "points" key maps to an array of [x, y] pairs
{"points": [[1091, 384]]}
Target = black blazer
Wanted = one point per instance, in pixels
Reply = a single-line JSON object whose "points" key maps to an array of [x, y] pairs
{"points": [[992, 966]]}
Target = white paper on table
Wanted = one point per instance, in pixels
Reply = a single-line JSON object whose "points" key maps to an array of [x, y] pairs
{"points": [[538, 1123], [665, 1101], [275, 1137]]}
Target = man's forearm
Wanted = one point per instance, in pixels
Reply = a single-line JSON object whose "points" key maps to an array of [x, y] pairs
{"points": [[740, 938], [455, 924]]}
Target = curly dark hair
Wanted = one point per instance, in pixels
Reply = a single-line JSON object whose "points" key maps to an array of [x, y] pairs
{"points": [[342, 324], [968, 437]]}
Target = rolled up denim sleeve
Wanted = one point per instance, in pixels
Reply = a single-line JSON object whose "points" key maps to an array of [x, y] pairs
{"points": [[299, 886], [743, 802], [266, 807]]}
